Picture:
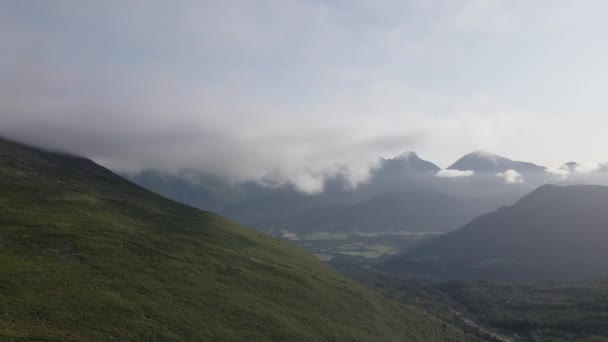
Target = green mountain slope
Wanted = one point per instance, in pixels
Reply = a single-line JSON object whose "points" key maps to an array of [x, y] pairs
{"points": [[87, 255]]}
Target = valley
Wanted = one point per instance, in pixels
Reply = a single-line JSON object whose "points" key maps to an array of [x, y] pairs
{"points": [[357, 249], [488, 264]]}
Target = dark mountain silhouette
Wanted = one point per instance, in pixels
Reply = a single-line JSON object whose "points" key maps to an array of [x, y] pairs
{"points": [[406, 162], [552, 233], [400, 211], [254, 204], [195, 188], [267, 208]]}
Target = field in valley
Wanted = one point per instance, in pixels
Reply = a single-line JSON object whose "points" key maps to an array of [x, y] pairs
{"points": [[357, 249]]}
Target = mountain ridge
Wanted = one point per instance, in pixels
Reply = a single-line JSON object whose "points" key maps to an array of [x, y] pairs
{"points": [[415, 211], [481, 161], [525, 241]]}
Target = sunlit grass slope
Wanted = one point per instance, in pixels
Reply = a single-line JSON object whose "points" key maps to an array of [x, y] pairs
{"points": [[86, 255]]}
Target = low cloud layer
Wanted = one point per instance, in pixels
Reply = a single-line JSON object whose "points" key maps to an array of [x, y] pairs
{"points": [[447, 173], [511, 177], [558, 173], [585, 168], [573, 171], [285, 92]]}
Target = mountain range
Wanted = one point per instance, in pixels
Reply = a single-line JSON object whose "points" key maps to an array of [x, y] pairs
{"points": [[491, 180], [419, 211]]}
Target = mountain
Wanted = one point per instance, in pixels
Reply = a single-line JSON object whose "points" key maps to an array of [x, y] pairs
{"points": [[254, 204], [87, 255], [373, 206], [485, 162], [248, 203], [406, 172], [407, 162], [400, 211], [195, 188], [553, 233]]}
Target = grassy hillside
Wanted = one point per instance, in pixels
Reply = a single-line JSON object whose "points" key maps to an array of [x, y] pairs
{"points": [[87, 255], [507, 311], [532, 311]]}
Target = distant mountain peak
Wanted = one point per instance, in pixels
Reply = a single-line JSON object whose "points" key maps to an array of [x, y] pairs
{"points": [[407, 155], [407, 161], [483, 154], [481, 161], [488, 156]]}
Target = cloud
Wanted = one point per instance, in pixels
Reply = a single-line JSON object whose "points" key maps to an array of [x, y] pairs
{"points": [[558, 173], [511, 177], [288, 92], [585, 168], [571, 170], [327, 108], [481, 16], [454, 173]]}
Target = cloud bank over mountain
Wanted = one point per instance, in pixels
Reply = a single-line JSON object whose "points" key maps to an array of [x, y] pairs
{"points": [[454, 173], [511, 177], [224, 87]]}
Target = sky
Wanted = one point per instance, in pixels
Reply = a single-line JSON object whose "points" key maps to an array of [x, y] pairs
{"points": [[305, 89]]}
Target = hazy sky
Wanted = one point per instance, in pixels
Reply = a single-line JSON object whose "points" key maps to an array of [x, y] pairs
{"points": [[305, 88]]}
